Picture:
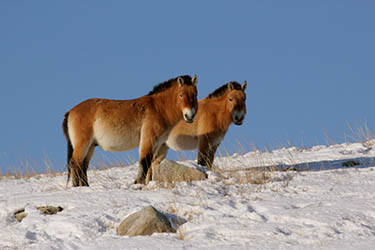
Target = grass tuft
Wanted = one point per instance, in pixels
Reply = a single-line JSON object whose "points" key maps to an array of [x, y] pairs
{"points": [[360, 134]]}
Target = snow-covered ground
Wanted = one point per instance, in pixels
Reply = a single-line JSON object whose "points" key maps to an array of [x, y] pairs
{"points": [[326, 204]]}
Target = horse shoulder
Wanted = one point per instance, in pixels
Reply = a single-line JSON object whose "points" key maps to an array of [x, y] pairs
{"points": [[210, 128], [207, 119]]}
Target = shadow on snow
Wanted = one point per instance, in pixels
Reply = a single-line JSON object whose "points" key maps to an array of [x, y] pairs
{"points": [[359, 162]]}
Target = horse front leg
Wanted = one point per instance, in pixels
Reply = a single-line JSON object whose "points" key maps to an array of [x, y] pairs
{"points": [[159, 156], [145, 159], [206, 152], [211, 157], [203, 148]]}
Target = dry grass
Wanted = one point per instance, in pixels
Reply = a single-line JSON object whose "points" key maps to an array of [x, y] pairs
{"points": [[106, 161], [266, 171], [160, 185], [180, 234], [30, 169], [361, 134], [247, 176]]}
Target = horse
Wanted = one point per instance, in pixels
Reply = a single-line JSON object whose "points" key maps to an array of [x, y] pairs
{"points": [[121, 125], [216, 112]]}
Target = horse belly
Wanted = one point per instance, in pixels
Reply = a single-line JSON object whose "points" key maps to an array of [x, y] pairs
{"points": [[116, 140], [182, 142]]}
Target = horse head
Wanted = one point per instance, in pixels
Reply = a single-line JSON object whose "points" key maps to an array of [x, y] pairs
{"points": [[236, 102], [187, 97]]}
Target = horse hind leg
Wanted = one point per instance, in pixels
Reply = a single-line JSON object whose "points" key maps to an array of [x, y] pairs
{"points": [[69, 146], [85, 165], [79, 164], [69, 158]]}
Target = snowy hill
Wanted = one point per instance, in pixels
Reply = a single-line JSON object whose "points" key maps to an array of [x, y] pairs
{"points": [[318, 198]]}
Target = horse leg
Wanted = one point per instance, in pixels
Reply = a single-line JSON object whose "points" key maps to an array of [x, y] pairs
{"points": [[79, 177], [206, 152], [144, 165], [159, 156], [211, 157], [145, 159], [76, 172], [203, 147], [85, 165]]}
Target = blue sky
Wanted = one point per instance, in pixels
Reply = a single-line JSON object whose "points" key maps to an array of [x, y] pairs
{"points": [[309, 65]]}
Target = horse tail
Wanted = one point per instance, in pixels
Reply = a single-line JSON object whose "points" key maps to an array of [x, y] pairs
{"points": [[69, 144]]}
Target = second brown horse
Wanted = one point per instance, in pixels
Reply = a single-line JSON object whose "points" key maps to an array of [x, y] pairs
{"points": [[216, 112]]}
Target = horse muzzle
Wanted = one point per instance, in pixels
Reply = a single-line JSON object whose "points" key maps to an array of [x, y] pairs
{"points": [[238, 122], [238, 117], [189, 115]]}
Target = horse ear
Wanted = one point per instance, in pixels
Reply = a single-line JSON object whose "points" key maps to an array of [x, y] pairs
{"points": [[180, 81], [194, 80], [230, 86], [243, 86]]}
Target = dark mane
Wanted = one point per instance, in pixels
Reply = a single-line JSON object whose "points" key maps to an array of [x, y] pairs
{"points": [[223, 89], [167, 84]]}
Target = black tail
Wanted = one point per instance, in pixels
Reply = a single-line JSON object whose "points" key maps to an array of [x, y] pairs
{"points": [[69, 143]]}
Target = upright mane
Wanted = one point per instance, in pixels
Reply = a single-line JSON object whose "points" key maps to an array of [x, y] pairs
{"points": [[223, 89], [167, 84]]}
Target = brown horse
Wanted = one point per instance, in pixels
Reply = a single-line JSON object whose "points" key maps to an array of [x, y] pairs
{"points": [[120, 125], [215, 113]]}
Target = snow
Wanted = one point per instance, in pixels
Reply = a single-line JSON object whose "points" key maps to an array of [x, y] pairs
{"points": [[242, 205]]}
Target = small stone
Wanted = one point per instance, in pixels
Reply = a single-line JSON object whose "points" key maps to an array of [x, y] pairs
{"points": [[145, 222]]}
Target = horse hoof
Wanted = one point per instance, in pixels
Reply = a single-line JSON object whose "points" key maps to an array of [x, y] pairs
{"points": [[139, 182]]}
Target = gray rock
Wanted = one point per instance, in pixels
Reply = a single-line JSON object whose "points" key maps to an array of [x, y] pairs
{"points": [[145, 222], [170, 171]]}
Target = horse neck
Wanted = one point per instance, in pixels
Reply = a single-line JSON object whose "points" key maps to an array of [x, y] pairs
{"points": [[218, 105], [165, 103]]}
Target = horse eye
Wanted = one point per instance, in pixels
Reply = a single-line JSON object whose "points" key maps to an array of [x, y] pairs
{"points": [[180, 95], [230, 99]]}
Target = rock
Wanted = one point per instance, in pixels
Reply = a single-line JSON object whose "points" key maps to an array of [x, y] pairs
{"points": [[145, 222], [20, 214], [170, 171], [50, 209]]}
